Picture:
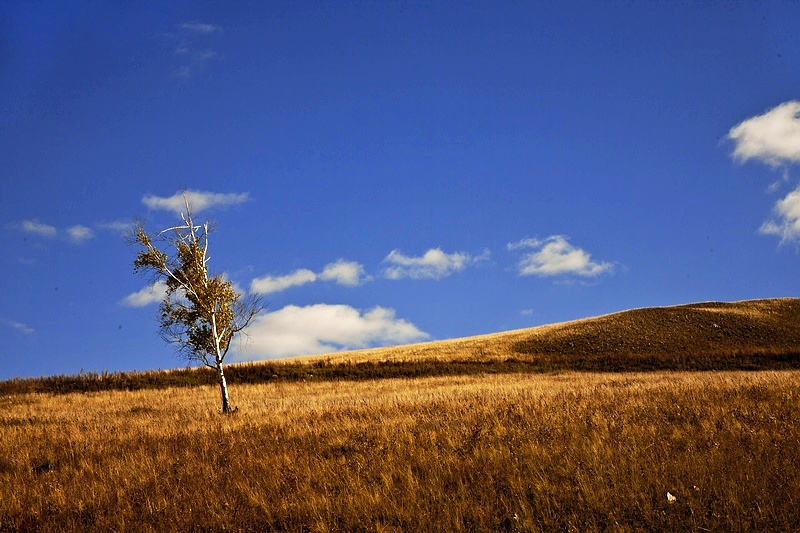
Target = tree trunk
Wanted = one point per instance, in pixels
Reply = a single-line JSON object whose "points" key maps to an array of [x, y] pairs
{"points": [[223, 387]]}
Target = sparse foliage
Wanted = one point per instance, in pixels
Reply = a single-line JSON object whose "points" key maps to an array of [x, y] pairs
{"points": [[200, 314]]}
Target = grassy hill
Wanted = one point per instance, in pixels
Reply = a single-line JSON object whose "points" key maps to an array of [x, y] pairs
{"points": [[486, 437], [712, 328], [719, 333], [747, 335]]}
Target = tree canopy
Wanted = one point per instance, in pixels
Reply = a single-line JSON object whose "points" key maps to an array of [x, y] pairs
{"points": [[199, 314]]}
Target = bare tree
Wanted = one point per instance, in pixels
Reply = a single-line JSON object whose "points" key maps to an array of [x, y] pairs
{"points": [[200, 314]]}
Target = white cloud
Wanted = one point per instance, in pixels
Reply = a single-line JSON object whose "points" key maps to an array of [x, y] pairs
{"points": [[434, 264], [150, 294], [324, 328], [79, 233], [347, 273], [39, 228], [19, 326], [773, 137], [270, 284], [200, 27], [193, 56], [198, 200], [204, 55], [786, 223], [120, 226], [555, 256]]}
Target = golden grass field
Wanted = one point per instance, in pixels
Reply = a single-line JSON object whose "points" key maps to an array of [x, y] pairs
{"points": [[503, 450]]}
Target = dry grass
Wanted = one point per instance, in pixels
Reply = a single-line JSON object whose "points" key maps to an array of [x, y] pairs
{"points": [[580, 452], [491, 433], [749, 335]]}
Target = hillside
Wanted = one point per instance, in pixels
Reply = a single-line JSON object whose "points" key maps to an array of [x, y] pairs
{"points": [[556, 428], [700, 330], [755, 326], [747, 335]]}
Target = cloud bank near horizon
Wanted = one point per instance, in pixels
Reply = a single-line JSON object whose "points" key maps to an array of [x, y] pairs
{"points": [[323, 328]]}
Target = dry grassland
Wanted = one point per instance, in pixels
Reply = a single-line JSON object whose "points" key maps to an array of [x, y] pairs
{"points": [[512, 452]]}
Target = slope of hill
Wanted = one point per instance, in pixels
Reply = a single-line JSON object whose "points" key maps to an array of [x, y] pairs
{"points": [[747, 335], [663, 335], [713, 327]]}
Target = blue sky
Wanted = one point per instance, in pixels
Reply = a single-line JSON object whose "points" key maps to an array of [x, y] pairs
{"points": [[391, 172]]}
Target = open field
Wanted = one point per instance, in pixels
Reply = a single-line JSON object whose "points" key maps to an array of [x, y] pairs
{"points": [[581, 452], [513, 439]]}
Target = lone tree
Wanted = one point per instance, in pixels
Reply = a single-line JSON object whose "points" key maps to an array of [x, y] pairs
{"points": [[199, 314]]}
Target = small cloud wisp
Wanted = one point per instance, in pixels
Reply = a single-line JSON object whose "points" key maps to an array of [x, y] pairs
{"points": [[271, 284], [786, 223], [555, 256], [198, 200], [194, 57], [79, 233], [19, 326], [39, 228], [433, 264], [151, 294], [347, 273], [200, 27]]}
